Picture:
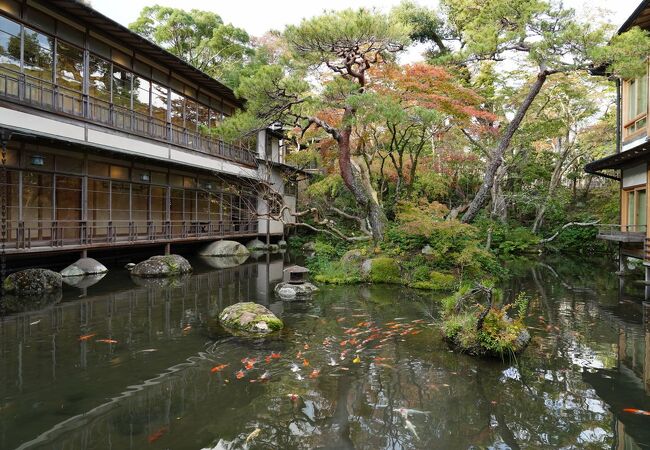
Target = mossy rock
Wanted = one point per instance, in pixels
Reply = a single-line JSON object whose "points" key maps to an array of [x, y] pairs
{"points": [[354, 256], [33, 282], [381, 270], [249, 318], [225, 248], [162, 266], [437, 281]]}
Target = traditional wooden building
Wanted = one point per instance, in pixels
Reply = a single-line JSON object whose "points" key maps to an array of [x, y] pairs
{"points": [[629, 164], [107, 139]]}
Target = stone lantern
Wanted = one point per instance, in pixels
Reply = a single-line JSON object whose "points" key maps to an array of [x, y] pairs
{"points": [[295, 275]]}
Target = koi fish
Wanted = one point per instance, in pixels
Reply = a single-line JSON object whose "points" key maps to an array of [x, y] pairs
{"points": [[343, 343], [219, 368], [299, 377], [314, 373], [267, 359], [275, 355], [356, 360], [153, 437], [187, 328], [266, 376], [306, 347], [85, 337], [340, 319], [250, 364], [299, 355], [107, 341], [239, 375], [332, 362], [293, 397], [147, 350], [295, 368], [36, 322], [256, 432], [637, 411], [416, 332], [404, 412], [305, 362], [411, 428]]}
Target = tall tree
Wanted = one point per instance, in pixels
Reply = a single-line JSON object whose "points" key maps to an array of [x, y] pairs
{"points": [[198, 37]]}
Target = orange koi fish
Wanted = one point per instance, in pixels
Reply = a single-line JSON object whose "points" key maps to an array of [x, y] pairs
{"points": [[637, 411], [314, 373], [414, 332], [85, 337], [219, 368], [267, 359], [340, 319], [305, 362], [306, 347], [153, 437], [343, 343], [250, 364], [187, 328], [299, 355], [275, 355], [107, 341], [239, 375]]}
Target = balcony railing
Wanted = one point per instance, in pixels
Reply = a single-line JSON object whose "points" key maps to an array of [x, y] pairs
{"points": [[44, 95], [622, 233], [69, 233]]}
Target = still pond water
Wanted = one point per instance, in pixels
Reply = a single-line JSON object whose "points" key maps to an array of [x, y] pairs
{"points": [[153, 388]]}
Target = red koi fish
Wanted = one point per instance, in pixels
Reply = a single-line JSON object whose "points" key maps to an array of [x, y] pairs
{"points": [[107, 341], [153, 437], [343, 343], [250, 364], [637, 411], [239, 375], [219, 368], [276, 355], [267, 359], [85, 337], [314, 373]]}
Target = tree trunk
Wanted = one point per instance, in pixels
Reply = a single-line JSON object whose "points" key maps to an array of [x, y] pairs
{"points": [[481, 197], [499, 205], [362, 191]]}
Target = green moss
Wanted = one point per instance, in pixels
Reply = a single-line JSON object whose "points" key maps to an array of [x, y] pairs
{"points": [[385, 270], [437, 281], [338, 272]]}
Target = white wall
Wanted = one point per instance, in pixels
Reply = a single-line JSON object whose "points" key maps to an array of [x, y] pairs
{"points": [[635, 175]]}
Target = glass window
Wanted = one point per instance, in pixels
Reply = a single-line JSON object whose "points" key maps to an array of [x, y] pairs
{"points": [[177, 105], [121, 87], [9, 44], [119, 172], [636, 210], [141, 90], [203, 118], [38, 55], [191, 120], [69, 66], [100, 78], [159, 102], [98, 169], [637, 103], [98, 206]]}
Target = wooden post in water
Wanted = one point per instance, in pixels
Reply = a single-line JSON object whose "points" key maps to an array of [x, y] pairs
{"points": [[168, 248]]}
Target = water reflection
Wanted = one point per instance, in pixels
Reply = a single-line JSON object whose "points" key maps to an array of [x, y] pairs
{"points": [[153, 387]]}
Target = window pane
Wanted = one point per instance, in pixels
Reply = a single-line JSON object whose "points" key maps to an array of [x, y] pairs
{"points": [[9, 44], [69, 66], [191, 120], [100, 78], [177, 103], [630, 211], [642, 208], [159, 101], [642, 100], [141, 90], [38, 53], [121, 87]]}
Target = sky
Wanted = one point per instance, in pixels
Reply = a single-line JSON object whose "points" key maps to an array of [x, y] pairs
{"points": [[259, 16]]}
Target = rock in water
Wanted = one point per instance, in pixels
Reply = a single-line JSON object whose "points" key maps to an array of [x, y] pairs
{"points": [[255, 244], [282, 243], [84, 266], [224, 248], [288, 291], [249, 318], [162, 266], [33, 282]]}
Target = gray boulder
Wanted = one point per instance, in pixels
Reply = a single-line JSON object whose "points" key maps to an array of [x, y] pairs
{"points": [[224, 262], [309, 246], [162, 266], [33, 282], [282, 243], [224, 248], [84, 281], [353, 256], [248, 318], [255, 244], [84, 266], [288, 291]]}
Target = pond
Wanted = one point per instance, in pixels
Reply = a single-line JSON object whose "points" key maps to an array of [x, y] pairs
{"points": [[121, 366]]}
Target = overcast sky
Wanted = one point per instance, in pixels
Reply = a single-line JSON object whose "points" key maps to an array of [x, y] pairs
{"points": [[259, 16]]}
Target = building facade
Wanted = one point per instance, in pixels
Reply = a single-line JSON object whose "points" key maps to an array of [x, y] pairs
{"points": [[107, 138], [629, 164]]}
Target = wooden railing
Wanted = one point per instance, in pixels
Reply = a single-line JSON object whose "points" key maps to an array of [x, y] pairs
{"points": [[22, 88], [62, 233], [622, 233]]}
